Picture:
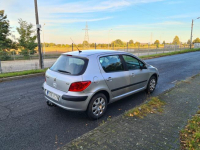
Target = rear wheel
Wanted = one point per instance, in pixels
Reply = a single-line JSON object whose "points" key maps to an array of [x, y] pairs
{"points": [[151, 85], [97, 106]]}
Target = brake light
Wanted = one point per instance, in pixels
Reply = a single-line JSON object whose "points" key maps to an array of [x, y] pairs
{"points": [[79, 86]]}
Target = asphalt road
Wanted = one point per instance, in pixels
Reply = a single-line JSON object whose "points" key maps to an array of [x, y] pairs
{"points": [[26, 122]]}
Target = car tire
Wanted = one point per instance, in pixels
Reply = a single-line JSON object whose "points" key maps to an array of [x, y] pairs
{"points": [[151, 85], [97, 106]]}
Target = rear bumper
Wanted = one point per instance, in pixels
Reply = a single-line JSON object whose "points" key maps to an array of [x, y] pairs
{"points": [[74, 101], [74, 98]]}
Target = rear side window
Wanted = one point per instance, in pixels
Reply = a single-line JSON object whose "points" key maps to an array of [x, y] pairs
{"points": [[111, 63], [70, 65]]}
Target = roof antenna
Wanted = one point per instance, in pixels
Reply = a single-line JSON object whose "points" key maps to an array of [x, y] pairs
{"points": [[76, 46]]}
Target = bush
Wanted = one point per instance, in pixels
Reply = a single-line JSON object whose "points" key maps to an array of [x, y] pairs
{"points": [[4, 55]]}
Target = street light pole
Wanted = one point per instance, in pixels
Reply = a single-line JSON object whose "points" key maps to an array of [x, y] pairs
{"points": [[109, 37], [192, 31], [38, 35], [191, 34], [43, 38]]}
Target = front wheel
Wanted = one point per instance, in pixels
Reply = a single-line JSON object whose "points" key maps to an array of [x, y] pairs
{"points": [[97, 106], [151, 85]]}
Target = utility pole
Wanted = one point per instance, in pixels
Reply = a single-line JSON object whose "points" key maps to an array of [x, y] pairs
{"points": [[43, 39], [191, 34], [38, 36]]}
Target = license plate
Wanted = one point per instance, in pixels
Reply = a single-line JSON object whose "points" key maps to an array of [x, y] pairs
{"points": [[52, 95]]}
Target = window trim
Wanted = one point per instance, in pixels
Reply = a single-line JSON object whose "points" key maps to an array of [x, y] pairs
{"points": [[121, 60], [136, 59]]}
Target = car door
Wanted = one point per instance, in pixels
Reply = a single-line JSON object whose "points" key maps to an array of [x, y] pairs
{"points": [[113, 72], [137, 71]]}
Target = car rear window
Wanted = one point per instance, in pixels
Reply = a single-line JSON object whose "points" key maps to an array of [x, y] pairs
{"points": [[70, 65]]}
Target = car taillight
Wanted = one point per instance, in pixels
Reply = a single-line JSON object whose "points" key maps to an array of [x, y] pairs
{"points": [[79, 86]]}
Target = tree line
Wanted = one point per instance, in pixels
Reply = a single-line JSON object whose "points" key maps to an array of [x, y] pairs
{"points": [[26, 42]]}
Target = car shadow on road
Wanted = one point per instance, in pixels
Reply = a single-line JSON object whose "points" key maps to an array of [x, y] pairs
{"points": [[113, 110]]}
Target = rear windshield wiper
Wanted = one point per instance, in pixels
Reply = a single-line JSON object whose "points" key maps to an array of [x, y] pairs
{"points": [[64, 71]]}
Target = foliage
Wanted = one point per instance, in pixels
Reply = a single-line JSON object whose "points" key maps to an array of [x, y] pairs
{"points": [[176, 40], [157, 42], [137, 44], [26, 40], [163, 42], [118, 43], [5, 43], [92, 45], [190, 135], [131, 42], [188, 42], [197, 40], [154, 105]]}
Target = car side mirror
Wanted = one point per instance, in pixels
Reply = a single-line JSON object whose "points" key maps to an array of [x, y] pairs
{"points": [[143, 67]]}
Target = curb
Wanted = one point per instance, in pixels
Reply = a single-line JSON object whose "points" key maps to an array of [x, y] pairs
{"points": [[20, 77]]}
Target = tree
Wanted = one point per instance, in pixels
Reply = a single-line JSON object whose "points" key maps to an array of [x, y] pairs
{"points": [[157, 42], [5, 42], [26, 40], [131, 42], [176, 40], [188, 42], [92, 45], [118, 43], [137, 44], [163, 42], [197, 40], [85, 43]]}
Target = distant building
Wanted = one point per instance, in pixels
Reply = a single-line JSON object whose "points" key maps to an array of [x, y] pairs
{"points": [[196, 45]]}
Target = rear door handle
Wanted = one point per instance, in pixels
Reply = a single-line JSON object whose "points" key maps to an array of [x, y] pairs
{"points": [[109, 79]]}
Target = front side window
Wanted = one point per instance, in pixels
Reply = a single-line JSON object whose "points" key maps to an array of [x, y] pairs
{"points": [[111, 63], [132, 63], [70, 65]]}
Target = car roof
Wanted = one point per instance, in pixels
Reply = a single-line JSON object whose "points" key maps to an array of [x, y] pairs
{"points": [[86, 53]]}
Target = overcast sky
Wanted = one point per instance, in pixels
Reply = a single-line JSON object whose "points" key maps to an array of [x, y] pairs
{"points": [[128, 19]]}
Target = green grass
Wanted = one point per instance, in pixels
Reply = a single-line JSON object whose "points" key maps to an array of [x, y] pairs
{"points": [[154, 105], [12, 74], [190, 135], [168, 54]]}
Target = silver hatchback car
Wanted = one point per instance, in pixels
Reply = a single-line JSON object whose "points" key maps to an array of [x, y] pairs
{"points": [[92, 79]]}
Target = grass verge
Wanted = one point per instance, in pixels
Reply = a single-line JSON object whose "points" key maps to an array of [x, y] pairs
{"points": [[190, 135], [168, 54], [154, 105], [20, 73]]}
